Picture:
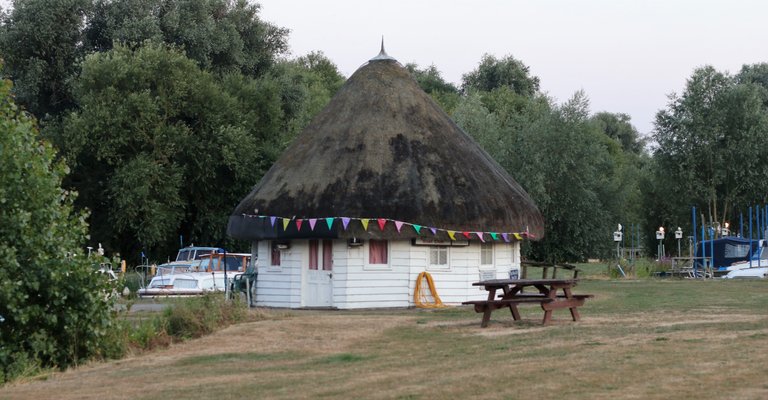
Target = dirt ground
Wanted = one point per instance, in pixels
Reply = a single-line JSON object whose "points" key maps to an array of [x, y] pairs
{"points": [[639, 355]]}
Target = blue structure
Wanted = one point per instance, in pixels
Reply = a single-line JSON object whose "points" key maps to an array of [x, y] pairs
{"points": [[726, 251]]}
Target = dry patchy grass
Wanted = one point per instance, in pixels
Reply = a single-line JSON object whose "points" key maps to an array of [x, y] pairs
{"points": [[625, 347]]}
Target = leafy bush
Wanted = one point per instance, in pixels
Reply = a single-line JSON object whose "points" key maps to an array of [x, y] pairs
{"points": [[54, 307]]}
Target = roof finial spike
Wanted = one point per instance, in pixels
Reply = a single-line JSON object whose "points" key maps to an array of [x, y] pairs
{"points": [[382, 54]]}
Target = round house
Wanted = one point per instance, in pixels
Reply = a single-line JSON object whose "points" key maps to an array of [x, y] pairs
{"points": [[381, 186]]}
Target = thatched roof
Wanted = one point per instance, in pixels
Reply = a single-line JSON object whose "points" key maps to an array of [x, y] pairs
{"points": [[382, 148]]}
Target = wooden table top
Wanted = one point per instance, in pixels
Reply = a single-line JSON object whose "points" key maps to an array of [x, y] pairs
{"points": [[524, 282]]}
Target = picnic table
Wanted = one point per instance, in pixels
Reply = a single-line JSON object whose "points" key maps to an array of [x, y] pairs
{"points": [[512, 294]]}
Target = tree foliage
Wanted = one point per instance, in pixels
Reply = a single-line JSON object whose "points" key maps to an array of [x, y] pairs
{"points": [[162, 148], [430, 80], [40, 44], [507, 72], [711, 145], [53, 309]]}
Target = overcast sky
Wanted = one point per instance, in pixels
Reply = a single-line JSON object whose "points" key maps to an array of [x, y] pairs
{"points": [[626, 55]]}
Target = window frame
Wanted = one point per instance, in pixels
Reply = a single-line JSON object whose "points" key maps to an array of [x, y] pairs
{"points": [[436, 250], [382, 266], [484, 247]]}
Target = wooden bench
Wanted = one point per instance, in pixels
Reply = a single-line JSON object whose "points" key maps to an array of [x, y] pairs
{"points": [[482, 305], [559, 296]]}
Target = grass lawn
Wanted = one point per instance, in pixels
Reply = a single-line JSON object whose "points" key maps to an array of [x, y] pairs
{"points": [[638, 339]]}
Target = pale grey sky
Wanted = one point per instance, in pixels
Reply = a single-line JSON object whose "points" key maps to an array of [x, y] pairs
{"points": [[626, 55]]}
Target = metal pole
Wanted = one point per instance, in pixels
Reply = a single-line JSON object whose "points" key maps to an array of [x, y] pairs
{"points": [[750, 237]]}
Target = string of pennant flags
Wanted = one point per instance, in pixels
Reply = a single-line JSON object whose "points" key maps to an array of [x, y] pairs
{"points": [[382, 223]]}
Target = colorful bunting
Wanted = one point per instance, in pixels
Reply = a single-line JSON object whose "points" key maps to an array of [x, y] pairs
{"points": [[382, 222]]}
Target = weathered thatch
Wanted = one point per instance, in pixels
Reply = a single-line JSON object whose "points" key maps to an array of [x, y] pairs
{"points": [[382, 148]]}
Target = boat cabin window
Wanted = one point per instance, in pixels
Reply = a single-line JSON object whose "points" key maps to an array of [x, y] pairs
{"points": [[185, 284]]}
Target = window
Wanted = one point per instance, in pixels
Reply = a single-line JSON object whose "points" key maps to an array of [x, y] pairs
{"points": [[514, 248], [275, 258], [327, 255], [486, 254], [377, 252], [313, 249], [438, 256]]}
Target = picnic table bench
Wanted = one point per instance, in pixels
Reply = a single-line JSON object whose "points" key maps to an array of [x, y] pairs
{"points": [[512, 295]]}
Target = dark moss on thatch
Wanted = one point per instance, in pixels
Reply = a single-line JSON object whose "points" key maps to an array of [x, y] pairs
{"points": [[382, 148]]}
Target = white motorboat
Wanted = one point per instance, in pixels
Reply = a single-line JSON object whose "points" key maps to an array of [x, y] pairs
{"points": [[211, 272]]}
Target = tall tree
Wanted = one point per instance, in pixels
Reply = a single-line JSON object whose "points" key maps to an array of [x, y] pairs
{"points": [[41, 42], [159, 148], [507, 72], [220, 35], [712, 143]]}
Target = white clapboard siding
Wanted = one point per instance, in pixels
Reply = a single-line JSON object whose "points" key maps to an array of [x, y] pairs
{"points": [[355, 284]]}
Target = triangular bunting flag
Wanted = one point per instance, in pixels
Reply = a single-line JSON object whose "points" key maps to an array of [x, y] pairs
{"points": [[312, 222], [466, 234], [480, 235], [517, 236], [451, 235], [329, 221], [398, 225], [494, 236], [286, 221], [505, 236], [272, 220], [434, 231], [345, 222], [417, 228], [298, 224], [364, 221], [382, 222]]}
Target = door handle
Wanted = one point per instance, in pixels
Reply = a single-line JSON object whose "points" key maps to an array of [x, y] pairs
{"points": [[330, 275]]}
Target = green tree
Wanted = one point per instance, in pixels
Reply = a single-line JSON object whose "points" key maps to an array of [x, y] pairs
{"points": [[41, 42], [53, 309], [160, 148], [618, 127], [507, 72], [220, 35], [430, 80], [711, 147], [570, 168]]}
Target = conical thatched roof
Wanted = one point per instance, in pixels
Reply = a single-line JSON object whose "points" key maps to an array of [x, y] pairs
{"points": [[382, 148]]}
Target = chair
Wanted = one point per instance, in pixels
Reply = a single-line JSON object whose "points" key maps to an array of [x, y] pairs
{"points": [[245, 283]]}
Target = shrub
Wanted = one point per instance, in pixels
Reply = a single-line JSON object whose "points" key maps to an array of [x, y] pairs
{"points": [[54, 311]]}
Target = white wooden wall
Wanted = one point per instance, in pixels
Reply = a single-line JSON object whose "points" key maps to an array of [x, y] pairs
{"points": [[359, 285]]}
